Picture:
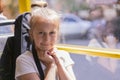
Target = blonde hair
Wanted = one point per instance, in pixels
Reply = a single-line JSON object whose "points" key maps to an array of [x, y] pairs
{"points": [[43, 14]]}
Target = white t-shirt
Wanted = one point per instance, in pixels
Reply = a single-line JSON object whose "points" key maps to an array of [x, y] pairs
{"points": [[25, 62]]}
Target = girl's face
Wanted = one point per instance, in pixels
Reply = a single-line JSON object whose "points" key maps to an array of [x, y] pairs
{"points": [[44, 36]]}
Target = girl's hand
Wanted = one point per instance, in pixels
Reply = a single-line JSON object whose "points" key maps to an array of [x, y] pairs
{"points": [[55, 57], [47, 58]]}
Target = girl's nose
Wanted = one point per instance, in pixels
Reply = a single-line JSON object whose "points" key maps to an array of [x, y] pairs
{"points": [[46, 37]]}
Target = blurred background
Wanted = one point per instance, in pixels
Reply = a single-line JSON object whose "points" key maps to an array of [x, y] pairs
{"points": [[84, 23]]}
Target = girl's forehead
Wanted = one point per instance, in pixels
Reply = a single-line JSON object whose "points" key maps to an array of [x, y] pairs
{"points": [[38, 21], [45, 24], [42, 26]]}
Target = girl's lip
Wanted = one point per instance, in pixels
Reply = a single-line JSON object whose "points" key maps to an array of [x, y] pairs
{"points": [[45, 44]]}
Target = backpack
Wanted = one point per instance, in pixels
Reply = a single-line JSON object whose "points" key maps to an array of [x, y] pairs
{"points": [[14, 46]]}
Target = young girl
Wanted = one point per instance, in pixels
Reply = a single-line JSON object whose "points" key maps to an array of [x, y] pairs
{"points": [[44, 32]]}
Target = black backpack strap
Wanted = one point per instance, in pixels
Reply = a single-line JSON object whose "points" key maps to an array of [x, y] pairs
{"points": [[37, 61]]}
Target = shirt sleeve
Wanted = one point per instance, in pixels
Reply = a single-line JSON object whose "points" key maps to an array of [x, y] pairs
{"points": [[66, 58], [25, 65]]}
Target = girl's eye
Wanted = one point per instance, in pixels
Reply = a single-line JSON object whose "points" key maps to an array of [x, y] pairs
{"points": [[53, 32], [41, 33]]}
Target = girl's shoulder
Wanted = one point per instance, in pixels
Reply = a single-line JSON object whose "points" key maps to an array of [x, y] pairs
{"points": [[62, 53], [25, 55]]}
